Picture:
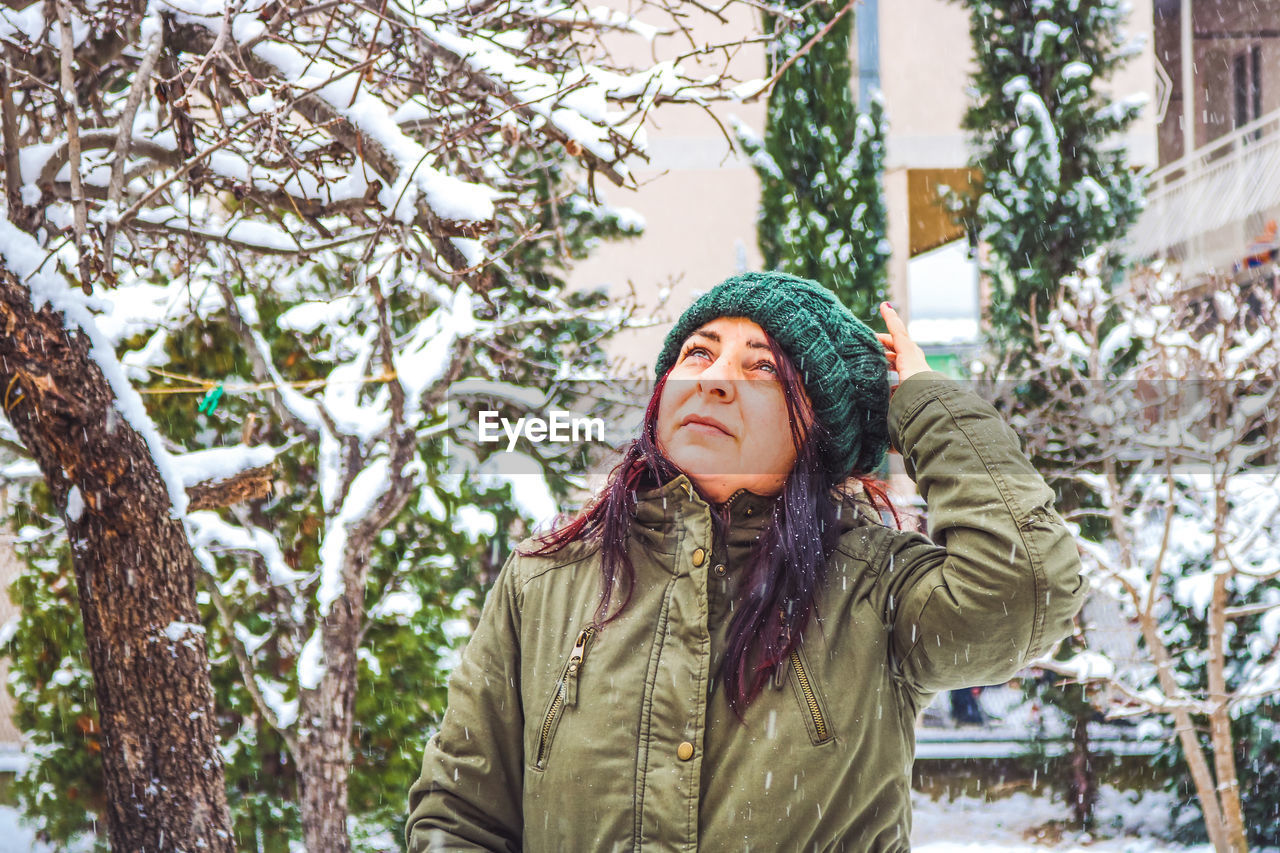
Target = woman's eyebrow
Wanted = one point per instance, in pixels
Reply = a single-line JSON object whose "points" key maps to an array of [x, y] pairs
{"points": [[715, 336]]}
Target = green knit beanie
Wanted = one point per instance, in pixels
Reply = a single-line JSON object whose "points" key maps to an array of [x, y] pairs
{"points": [[842, 362]]}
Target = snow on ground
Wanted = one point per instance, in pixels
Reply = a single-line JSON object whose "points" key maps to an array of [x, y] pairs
{"points": [[1021, 823]]}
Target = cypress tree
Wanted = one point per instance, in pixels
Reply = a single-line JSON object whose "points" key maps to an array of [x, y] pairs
{"points": [[820, 164], [1054, 187]]}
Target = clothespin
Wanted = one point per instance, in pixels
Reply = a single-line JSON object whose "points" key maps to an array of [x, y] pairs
{"points": [[210, 401]]}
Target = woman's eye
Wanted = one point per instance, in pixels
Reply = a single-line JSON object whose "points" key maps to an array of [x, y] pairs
{"points": [[691, 351], [703, 352]]}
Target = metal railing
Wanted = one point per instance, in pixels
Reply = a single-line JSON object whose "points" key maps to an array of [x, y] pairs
{"points": [[1224, 182], [1012, 725]]}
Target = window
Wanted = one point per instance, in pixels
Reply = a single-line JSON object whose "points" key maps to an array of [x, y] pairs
{"points": [[1246, 74]]}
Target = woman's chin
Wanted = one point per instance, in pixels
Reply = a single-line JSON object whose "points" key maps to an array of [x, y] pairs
{"points": [[719, 475]]}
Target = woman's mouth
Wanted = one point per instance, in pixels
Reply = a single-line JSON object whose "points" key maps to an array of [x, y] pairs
{"points": [[709, 426]]}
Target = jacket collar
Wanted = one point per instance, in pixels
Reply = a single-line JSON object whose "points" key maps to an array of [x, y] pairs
{"points": [[665, 513]]}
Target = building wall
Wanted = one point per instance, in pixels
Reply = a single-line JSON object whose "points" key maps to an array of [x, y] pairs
{"points": [[1221, 30], [1205, 211], [1138, 77]]}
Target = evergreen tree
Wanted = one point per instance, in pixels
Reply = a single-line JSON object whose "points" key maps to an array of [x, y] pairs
{"points": [[820, 164], [1054, 186]]}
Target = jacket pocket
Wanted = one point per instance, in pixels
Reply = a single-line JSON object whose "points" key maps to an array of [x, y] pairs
{"points": [[817, 720], [564, 695]]}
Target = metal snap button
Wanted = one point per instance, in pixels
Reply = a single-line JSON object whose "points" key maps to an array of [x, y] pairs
{"points": [[719, 569], [699, 557], [684, 751]]}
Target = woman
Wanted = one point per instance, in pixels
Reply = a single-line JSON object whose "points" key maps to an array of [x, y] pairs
{"points": [[728, 649]]}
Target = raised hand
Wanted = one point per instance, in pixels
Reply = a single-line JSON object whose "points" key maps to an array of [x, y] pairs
{"points": [[905, 355]]}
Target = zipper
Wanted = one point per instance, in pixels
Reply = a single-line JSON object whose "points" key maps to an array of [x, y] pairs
{"points": [[810, 697], [725, 508], [566, 692]]}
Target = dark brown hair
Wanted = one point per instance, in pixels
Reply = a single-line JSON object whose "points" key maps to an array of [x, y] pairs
{"points": [[787, 569]]}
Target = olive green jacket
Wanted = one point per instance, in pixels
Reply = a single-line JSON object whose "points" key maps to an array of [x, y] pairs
{"points": [[559, 736]]}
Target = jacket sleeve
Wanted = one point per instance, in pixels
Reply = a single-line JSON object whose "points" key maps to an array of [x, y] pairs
{"points": [[470, 792], [998, 580]]}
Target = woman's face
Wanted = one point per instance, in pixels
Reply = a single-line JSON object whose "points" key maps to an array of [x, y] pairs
{"points": [[722, 417]]}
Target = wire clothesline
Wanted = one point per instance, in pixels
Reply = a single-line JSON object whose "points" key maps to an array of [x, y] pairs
{"points": [[203, 386]]}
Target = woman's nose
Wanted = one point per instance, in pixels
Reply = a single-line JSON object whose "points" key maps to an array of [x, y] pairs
{"points": [[718, 378]]}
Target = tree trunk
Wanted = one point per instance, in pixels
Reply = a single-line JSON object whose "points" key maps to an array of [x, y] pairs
{"points": [[1084, 786], [1224, 759], [135, 572], [1206, 793], [1184, 728], [326, 723], [1221, 742]]}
